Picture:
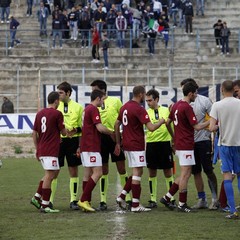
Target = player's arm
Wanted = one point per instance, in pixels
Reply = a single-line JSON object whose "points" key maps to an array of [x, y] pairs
{"points": [[201, 126], [118, 138], [102, 129], [213, 125], [152, 127], [169, 127]]}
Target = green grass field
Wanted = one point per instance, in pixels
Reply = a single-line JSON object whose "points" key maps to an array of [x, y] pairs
{"points": [[21, 221]]}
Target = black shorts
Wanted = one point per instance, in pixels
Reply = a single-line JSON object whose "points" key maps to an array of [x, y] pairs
{"points": [[68, 149], [159, 155], [107, 147], [203, 157]]}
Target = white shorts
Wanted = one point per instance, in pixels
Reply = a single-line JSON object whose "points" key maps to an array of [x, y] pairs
{"points": [[49, 163], [186, 157], [91, 159], [136, 158]]}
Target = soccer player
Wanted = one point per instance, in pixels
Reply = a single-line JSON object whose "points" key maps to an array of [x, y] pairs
{"points": [[226, 113], [132, 117], [185, 122], [90, 148], [109, 112], [203, 152], [158, 149], [72, 114], [46, 137]]}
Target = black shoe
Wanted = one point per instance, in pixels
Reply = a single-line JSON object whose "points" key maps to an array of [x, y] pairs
{"points": [[173, 202], [152, 204], [129, 205], [74, 206], [102, 206], [185, 208], [51, 205], [167, 204]]}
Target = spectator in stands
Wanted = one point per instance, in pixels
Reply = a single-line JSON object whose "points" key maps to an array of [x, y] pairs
{"points": [[217, 33], [137, 19], [29, 8], [84, 24], [13, 31], [127, 13], [99, 20], [174, 11], [105, 46], [42, 15], [225, 33], [152, 34], [47, 5], [164, 5], [94, 5], [200, 7], [57, 30], [95, 45], [164, 30], [73, 23], [65, 24], [121, 25], [157, 8], [5, 10], [188, 12], [180, 13], [111, 26], [7, 106]]}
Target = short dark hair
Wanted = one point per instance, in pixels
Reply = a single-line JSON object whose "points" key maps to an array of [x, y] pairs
{"points": [[189, 87], [100, 84], [183, 82], [236, 83], [96, 93], [52, 97], [137, 90], [228, 86], [153, 92], [65, 86]]}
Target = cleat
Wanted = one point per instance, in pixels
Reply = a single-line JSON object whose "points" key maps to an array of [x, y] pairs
{"points": [[102, 206], [232, 216], [35, 203], [128, 205], [121, 203], [173, 202], [225, 209], [185, 208], [166, 203], [74, 205], [48, 210], [140, 208], [50, 205], [214, 205], [201, 204], [152, 204], [86, 207]]}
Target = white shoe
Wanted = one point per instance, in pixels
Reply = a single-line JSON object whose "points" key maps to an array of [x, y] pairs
{"points": [[19, 43], [93, 61], [71, 37], [121, 203], [7, 21], [201, 204], [10, 47], [75, 39], [86, 46], [227, 53], [97, 61], [82, 47], [214, 205], [105, 68], [140, 208], [2, 21], [53, 47]]}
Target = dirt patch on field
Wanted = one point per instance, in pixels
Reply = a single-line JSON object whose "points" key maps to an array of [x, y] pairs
{"points": [[16, 146]]}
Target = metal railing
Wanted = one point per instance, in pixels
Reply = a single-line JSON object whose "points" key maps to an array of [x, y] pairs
{"points": [[27, 88]]}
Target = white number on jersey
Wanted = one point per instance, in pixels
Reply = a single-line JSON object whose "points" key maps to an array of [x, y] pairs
{"points": [[176, 118], [43, 124], [124, 118]]}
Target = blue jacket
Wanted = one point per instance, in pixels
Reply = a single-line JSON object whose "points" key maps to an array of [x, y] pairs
{"points": [[14, 24]]}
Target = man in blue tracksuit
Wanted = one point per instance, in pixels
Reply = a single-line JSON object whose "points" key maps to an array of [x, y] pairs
{"points": [[13, 30]]}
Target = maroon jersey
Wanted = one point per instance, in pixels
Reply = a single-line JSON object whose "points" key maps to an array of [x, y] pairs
{"points": [[132, 116], [183, 118], [48, 124], [91, 137]]}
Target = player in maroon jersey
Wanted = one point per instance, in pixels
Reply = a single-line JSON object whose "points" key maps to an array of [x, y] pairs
{"points": [[185, 122], [132, 117], [46, 137], [90, 148]]}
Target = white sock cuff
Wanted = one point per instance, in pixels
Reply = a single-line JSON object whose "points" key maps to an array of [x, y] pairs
{"points": [[135, 200], [137, 178]]}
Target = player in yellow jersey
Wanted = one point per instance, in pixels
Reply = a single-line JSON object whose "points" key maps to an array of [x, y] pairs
{"points": [[72, 115], [158, 149], [109, 112]]}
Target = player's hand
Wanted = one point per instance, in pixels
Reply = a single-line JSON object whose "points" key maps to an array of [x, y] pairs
{"points": [[162, 120], [78, 152], [117, 149], [71, 133]]}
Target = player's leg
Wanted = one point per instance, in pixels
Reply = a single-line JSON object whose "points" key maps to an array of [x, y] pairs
{"points": [[152, 181], [37, 198], [73, 163], [169, 180], [104, 187], [54, 188]]}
